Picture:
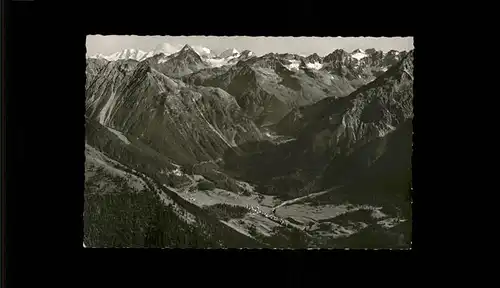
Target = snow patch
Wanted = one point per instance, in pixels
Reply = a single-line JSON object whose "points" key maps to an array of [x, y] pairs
{"points": [[359, 55], [125, 54], [217, 62], [294, 65], [315, 65], [162, 60], [225, 58], [177, 172]]}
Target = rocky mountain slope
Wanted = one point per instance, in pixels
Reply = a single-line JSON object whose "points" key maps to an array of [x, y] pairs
{"points": [[330, 129], [279, 150], [187, 123], [360, 144], [267, 90], [270, 86], [184, 62]]}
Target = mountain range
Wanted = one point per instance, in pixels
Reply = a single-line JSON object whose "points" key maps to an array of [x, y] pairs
{"points": [[186, 148]]}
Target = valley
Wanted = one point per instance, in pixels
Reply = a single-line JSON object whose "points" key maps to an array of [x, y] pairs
{"points": [[192, 149]]}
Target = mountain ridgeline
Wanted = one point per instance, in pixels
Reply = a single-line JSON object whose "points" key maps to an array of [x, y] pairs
{"points": [[241, 144]]}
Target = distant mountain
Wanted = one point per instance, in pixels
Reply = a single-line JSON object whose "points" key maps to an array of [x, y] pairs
{"points": [[181, 63], [125, 54], [164, 48], [329, 130], [359, 54], [266, 89], [314, 58]]}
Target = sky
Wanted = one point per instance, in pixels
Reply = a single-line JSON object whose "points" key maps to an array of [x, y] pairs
{"points": [[260, 45]]}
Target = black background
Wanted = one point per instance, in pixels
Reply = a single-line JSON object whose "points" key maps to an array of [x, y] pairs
{"points": [[43, 82]]}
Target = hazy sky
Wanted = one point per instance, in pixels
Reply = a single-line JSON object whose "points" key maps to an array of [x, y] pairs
{"points": [[260, 45]]}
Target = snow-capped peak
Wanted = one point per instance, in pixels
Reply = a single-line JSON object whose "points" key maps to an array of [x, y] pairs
{"points": [[125, 54], [186, 48], [229, 52], [316, 65], [359, 54], [97, 56], [167, 49], [229, 57]]}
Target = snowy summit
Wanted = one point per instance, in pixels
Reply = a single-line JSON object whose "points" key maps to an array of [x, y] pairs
{"points": [[164, 48], [133, 54], [359, 54]]}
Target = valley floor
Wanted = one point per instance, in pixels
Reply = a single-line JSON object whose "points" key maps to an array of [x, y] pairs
{"points": [[266, 213], [263, 218]]}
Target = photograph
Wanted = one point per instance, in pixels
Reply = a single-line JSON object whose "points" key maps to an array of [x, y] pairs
{"points": [[216, 142]]}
